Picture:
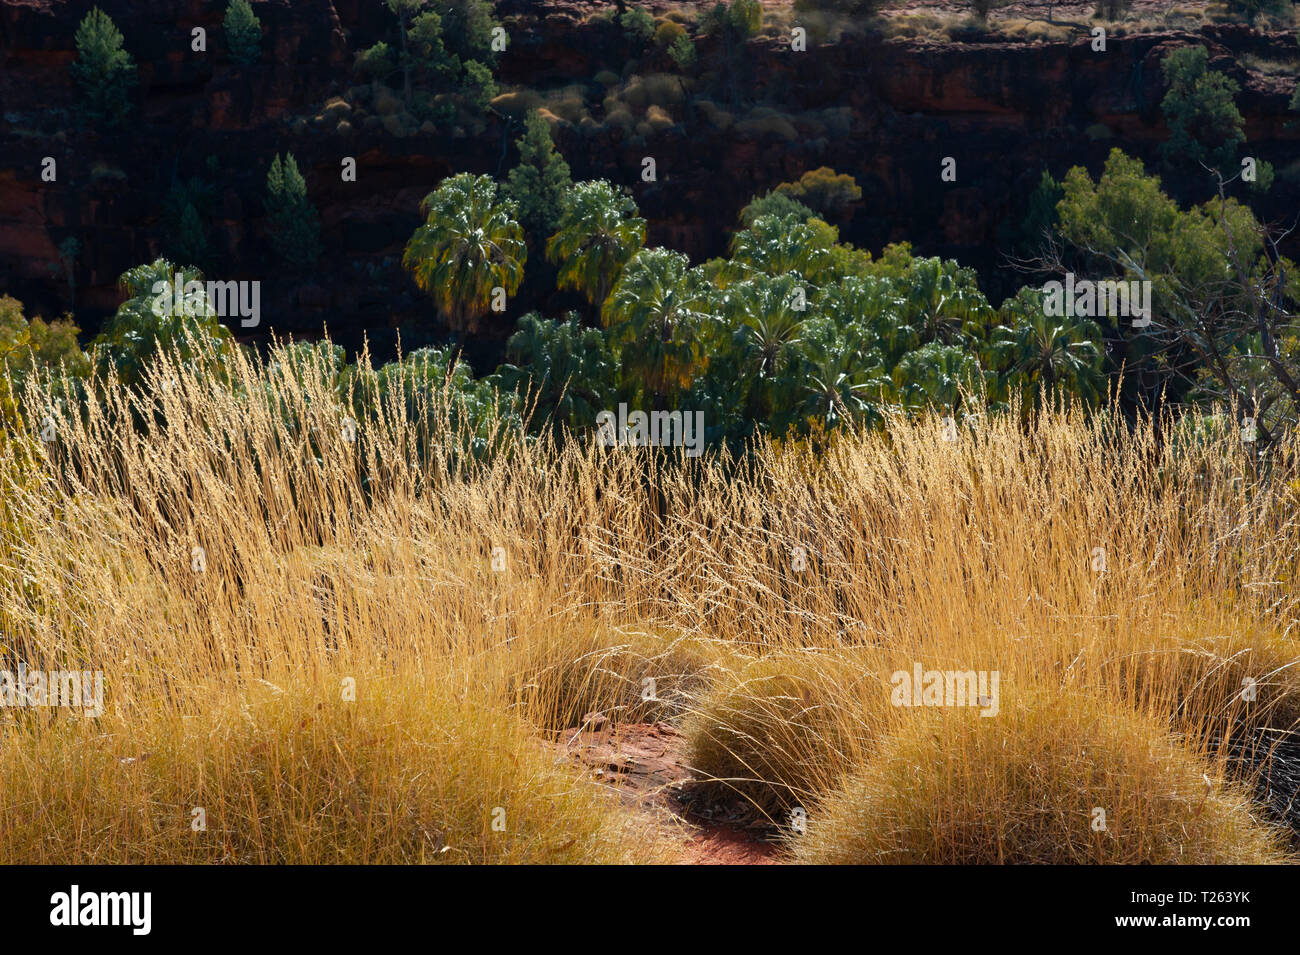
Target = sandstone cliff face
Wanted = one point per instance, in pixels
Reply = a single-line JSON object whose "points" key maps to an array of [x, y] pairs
{"points": [[1004, 111]]}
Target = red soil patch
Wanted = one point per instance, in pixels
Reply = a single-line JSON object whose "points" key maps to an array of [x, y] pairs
{"points": [[645, 764]]}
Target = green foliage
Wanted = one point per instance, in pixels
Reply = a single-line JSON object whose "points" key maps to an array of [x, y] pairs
{"points": [[940, 377], [1264, 176], [1037, 351], [567, 369], [104, 71], [944, 302], [291, 218], [740, 21], [438, 389], [654, 315], [540, 184], [420, 49], [467, 27], [778, 245], [599, 232], [148, 323], [469, 244], [425, 40], [745, 17], [823, 190], [777, 204], [1125, 212], [1204, 123], [667, 32], [768, 315], [682, 52], [637, 25], [1213, 286], [477, 87], [243, 33], [446, 42], [376, 62], [30, 347]]}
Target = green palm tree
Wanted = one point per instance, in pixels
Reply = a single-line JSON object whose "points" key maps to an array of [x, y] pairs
{"points": [[469, 244], [771, 313], [1041, 351], [846, 386], [566, 368], [944, 299], [938, 376], [148, 322], [655, 315], [876, 308], [599, 234], [779, 244]]}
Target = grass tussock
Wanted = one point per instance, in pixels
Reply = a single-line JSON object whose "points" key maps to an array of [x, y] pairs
{"points": [[783, 728], [1054, 779], [230, 541], [410, 771], [560, 675]]}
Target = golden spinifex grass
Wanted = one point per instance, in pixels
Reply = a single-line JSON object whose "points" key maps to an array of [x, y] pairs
{"points": [[1059, 779], [341, 619]]}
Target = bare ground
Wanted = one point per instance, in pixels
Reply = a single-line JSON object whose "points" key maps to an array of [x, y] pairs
{"points": [[646, 764]]}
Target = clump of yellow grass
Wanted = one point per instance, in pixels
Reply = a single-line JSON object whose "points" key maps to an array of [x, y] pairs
{"points": [[1056, 778]]}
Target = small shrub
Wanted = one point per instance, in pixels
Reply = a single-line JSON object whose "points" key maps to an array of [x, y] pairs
{"points": [[718, 118], [336, 108], [394, 126], [773, 124], [668, 32], [658, 119], [386, 103], [637, 25], [1112, 9], [823, 190], [682, 53]]}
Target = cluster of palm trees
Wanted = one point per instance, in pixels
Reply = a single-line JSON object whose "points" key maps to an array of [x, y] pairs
{"points": [[794, 326]]}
